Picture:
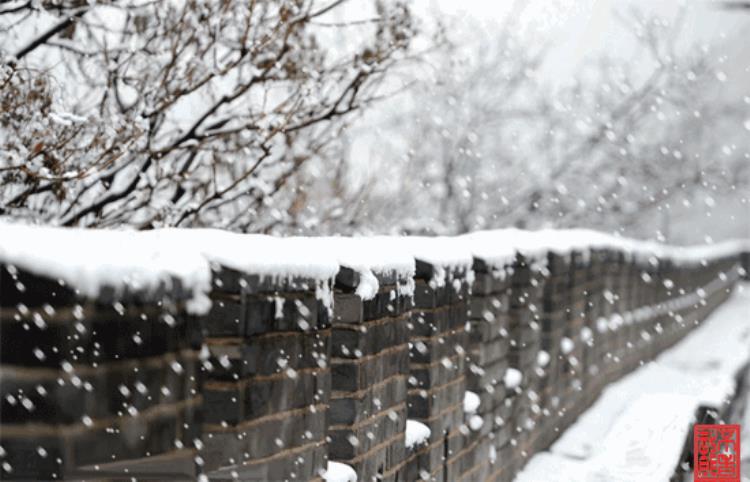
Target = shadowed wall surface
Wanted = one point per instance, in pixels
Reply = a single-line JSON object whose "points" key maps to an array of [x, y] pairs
{"points": [[276, 379]]}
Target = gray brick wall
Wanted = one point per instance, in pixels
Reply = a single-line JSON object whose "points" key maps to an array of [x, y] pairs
{"points": [[271, 384]]}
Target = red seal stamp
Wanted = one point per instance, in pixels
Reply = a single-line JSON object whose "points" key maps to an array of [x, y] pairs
{"points": [[716, 453]]}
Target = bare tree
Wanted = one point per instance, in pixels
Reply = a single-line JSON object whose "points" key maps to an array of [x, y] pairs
{"points": [[179, 112], [488, 145]]}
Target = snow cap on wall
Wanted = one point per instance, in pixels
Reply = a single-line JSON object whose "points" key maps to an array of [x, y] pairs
{"points": [[89, 260]]}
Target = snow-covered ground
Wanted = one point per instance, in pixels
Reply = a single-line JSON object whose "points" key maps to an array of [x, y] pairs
{"points": [[636, 430]]}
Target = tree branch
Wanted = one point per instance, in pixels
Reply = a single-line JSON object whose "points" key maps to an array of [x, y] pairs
{"points": [[54, 30]]}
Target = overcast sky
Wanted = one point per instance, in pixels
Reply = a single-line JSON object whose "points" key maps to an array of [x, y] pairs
{"points": [[585, 28]]}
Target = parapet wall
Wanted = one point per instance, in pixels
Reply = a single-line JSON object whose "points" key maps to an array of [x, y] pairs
{"points": [[494, 352]]}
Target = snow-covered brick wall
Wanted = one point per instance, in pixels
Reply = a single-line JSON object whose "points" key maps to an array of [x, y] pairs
{"points": [[369, 357], [267, 375], [437, 353], [302, 354]]}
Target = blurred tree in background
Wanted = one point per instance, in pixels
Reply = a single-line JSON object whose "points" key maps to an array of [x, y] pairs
{"points": [[483, 143]]}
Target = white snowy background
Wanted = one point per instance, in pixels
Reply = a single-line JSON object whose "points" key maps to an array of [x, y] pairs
{"points": [[628, 116]]}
